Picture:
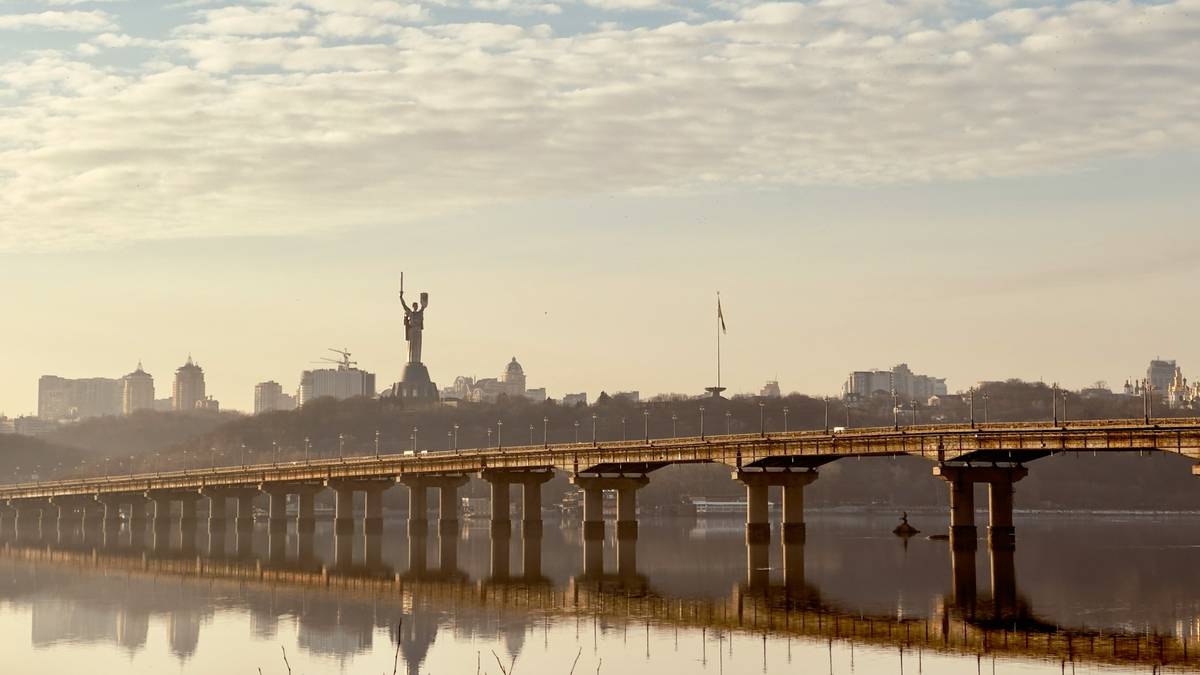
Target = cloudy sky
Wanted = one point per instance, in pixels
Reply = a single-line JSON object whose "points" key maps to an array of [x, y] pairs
{"points": [[981, 189]]}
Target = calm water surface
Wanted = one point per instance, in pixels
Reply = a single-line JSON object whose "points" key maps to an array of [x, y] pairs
{"points": [[687, 596]]}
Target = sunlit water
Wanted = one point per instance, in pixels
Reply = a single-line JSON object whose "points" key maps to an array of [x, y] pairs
{"points": [[683, 601]]}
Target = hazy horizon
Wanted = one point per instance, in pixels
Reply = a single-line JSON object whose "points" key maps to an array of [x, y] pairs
{"points": [[981, 191]]}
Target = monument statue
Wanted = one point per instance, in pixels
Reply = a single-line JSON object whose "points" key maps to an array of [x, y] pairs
{"points": [[415, 386], [414, 323]]}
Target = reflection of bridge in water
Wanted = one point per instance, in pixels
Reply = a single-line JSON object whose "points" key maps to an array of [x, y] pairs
{"points": [[997, 622]]}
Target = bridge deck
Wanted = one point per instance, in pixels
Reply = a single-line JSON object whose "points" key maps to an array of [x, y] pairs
{"points": [[1015, 442]]}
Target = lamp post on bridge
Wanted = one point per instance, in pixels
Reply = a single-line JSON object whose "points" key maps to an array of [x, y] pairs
{"points": [[341, 446], [624, 435], [1054, 403], [646, 423], [984, 396], [546, 431], [376, 444], [701, 422], [674, 422], [307, 448], [456, 436], [499, 426], [577, 432], [1064, 397], [895, 411], [762, 420], [594, 418], [785, 412], [489, 443], [914, 412], [413, 438], [728, 415], [243, 455], [530, 434], [274, 453], [971, 404], [449, 440]]}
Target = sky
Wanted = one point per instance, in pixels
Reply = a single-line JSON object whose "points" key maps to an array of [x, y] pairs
{"points": [[980, 189]]}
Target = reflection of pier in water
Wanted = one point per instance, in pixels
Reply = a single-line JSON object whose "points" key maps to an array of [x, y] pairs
{"points": [[998, 623]]}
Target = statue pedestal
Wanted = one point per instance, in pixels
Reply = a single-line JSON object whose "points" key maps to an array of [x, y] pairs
{"points": [[415, 386]]}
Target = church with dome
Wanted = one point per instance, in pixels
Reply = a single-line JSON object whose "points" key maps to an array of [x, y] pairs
{"points": [[511, 384]]}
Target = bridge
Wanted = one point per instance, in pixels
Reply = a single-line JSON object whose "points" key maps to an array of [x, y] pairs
{"points": [[961, 625], [960, 454]]}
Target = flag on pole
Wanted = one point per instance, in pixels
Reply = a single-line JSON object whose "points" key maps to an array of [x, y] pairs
{"points": [[720, 315]]}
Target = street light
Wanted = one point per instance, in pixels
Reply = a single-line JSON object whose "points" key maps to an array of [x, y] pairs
{"points": [[576, 431], [594, 418], [1054, 403], [785, 412], [376, 444], [456, 436], [341, 446], [895, 411], [499, 426], [984, 396], [1064, 396], [646, 423], [546, 432], [674, 422], [727, 416], [971, 404], [449, 439], [531, 434], [762, 428], [701, 422], [307, 448], [826, 416], [914, 412], [489, 443], [623, 436], [243, 456], [414, 439], [275, 453]]}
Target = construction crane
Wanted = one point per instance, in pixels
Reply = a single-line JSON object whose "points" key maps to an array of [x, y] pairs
{"points": [[343, 363]]}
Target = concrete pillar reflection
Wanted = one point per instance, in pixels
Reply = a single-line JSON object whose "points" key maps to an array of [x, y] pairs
{"points": [[758, 564], [593, 556], [962, 515], [343, 549], [793, 569], [277, 543], [418, 554], [244, 523], [1001, 533], [448, 552], [306, 510], [373, 550], [216, 541], [1004, 582], [162, 518], [216, 515], [305, 547], [531, 555], [501, 551], [627, 553], [627, 524], [418, 508], [962, 569]]}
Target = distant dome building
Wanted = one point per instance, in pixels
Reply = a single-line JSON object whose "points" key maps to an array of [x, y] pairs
{"points": [[138, 393], [514, 378], [188, 393]]}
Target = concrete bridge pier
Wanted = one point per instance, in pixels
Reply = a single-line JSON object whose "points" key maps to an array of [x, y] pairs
{"points": [[448, 505], [8, 520], [501, 554], [758, 482], [306, 508], [418, 506], [962, 570], [793, 569], [593, 555], [343, 514], [531, 555], [418, 552], [28, 526], [305, 548], [758, 565], [277, 542], [216, 514], [626, 487], [448, 552], [373, 550], [344, 490], [373, 515], [531, 481], [961, 481], [1004, 582], [343, 548], [277, 496]]}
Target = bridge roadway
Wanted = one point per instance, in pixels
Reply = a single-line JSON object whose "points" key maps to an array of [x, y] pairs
{"points": [[963, 455], [960, 626]]}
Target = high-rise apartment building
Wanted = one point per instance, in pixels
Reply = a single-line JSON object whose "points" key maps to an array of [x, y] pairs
{"points": [[341, 383], [60, 398], [138, 391], [1160, 374], [900, 381], [188, 393], [269, 396]]}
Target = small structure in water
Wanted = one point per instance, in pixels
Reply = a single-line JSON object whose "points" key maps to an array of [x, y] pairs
{"points": [[904, 529]]}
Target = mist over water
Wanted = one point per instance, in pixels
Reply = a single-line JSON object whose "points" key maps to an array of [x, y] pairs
{"points": [[687, 596]]}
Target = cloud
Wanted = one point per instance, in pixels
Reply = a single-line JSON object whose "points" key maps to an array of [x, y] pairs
{"points": [[80, 22], [357, 116]]}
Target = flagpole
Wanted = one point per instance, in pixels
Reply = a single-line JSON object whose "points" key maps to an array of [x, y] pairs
{"points": [[718, 339]]}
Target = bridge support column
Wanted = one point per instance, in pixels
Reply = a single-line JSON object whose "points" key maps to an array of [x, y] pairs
{"points": [[112, 511], [448, 505], [962, 480], [531, 507], [306, 507], [418, 506], [501, 521], [162, 514], [593, 514], [276, 509], [343, 516], [758, 482], [8, 520], [29, 520], [216, 513]]}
